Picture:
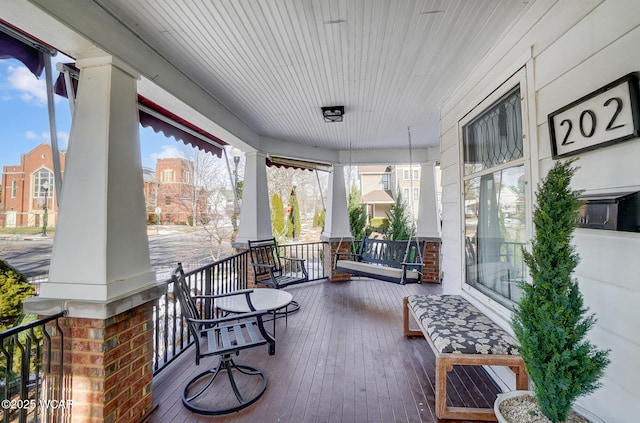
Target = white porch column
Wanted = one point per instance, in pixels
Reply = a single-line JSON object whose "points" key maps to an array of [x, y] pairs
{"points": [[100, 262], [255, 213], [428, 225], [336, 224]]}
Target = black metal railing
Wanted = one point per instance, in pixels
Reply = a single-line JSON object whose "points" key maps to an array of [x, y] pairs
{"points": [[511, 252], [311, 252], [31, 371], [171, 336]]}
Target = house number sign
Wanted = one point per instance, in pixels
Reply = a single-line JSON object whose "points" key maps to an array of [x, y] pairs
{"points": [[606, 116]]}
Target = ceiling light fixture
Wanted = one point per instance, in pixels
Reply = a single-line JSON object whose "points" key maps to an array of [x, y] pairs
{"points": [[333, 113]]}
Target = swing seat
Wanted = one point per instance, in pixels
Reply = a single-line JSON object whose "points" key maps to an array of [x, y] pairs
{"points": [[392, 261]]}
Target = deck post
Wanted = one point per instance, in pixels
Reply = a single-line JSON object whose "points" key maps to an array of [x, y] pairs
{"points": [[100, 269], [337, 232]]}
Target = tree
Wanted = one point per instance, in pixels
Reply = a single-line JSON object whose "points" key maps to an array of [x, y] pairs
{"points": [[550, 320], [14, 289], [358, 215], [277, 215], [294, 226], [318, 218], [211, 178], [400, 225]]}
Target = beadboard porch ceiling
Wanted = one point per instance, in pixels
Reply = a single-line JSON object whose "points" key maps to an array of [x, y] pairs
{"points": [[274, 63]]}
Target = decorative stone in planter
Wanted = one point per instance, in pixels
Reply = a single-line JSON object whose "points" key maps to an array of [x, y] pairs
{"points": [[521, 407]]}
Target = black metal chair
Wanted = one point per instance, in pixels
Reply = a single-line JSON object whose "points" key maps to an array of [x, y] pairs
{"points": [[224, 337], [275, 271]]}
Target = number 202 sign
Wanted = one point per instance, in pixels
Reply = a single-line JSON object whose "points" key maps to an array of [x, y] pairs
{"points": [[606, 116]]}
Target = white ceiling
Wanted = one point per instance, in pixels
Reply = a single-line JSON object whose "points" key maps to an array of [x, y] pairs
{"points": [[274, 63]]}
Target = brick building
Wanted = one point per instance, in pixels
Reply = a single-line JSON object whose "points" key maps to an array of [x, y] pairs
{"points": [[25, 188], [173, 192]]}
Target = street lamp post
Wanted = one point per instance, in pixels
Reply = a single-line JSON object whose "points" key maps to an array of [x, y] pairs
{"points": [[45, 214]]}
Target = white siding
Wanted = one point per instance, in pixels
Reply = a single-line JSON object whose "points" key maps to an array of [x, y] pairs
{"points": [[569, 49]]}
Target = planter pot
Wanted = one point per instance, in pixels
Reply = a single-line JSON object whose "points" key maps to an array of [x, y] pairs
{"points": [[502, 397]]}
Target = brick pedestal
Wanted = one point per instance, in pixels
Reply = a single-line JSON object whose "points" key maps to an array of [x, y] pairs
{"points": [[108, 366], [431, 261], [329, 253]]}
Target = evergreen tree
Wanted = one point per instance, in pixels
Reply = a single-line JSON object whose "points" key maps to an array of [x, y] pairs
{"points": [[294, 226], [14, 289], [318, 218], [550, 320], [358, 215], [400, 225], [277, 215]]}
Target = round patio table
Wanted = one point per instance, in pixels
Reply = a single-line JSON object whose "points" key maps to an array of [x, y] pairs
{"points": [[262, 299]]}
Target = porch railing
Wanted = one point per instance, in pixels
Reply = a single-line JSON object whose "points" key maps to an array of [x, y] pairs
{"points": [[31, 371], [311, 252], [171, 337]]}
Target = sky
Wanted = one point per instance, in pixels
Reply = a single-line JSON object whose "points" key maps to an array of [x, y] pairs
{"points": [[24, 120]]}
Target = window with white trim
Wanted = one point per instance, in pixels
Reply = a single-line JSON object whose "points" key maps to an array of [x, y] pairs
{"points": [[384, 181], [42, 183], [494, 163], [406, 174]]}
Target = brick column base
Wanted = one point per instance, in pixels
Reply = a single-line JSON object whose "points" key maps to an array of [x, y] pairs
{"points": [[250, 274], [431, 261], [108, 364], [329, 254]]}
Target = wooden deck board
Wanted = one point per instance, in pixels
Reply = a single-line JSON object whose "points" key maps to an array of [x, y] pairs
{"points": [[341, 358]]}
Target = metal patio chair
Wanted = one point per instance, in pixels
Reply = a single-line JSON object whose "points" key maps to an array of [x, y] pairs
{"points": [[223, 337]]}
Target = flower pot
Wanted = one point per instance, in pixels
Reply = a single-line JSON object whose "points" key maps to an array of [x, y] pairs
{"points": [[590, 417]]}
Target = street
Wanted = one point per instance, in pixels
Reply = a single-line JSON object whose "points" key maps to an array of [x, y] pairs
{"points": [[32, 255]]}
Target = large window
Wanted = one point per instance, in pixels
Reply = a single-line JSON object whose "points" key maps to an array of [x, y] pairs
{"points": [[384, 181], [494, 199], [42, 183]]}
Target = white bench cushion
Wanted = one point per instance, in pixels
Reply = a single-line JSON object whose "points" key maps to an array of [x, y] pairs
{"points": [[377, 269]]}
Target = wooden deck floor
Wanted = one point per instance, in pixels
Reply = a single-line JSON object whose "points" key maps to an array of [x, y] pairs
{"points": [[341, 358]]}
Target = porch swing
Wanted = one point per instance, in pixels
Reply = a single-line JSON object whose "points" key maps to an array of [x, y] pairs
{"points": [[397, 261]]}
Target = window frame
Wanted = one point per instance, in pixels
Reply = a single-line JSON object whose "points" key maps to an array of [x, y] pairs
{"points": [[36, 192], [385, 181], [519, 78]]}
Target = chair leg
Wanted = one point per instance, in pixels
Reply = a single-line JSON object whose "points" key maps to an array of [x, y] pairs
{"points": [[228, 365]]}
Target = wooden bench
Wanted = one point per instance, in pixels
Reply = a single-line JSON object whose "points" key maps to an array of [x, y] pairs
{"points": [[393, 261], [459, 334]]}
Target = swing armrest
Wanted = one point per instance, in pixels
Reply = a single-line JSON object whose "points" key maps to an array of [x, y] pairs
{"points": [[351, 255]]}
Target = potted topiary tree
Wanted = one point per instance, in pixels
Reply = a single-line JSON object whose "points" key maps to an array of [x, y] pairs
{"points": [[550, 320]]}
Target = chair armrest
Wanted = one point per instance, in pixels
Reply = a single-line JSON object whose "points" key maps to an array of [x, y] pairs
{"points": [[263, 265], [228, 294], [229, 318], [293, 259], [245, 292], [300, 261]]}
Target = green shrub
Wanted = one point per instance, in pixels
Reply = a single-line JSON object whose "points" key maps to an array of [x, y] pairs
{"points": [[14, 289], [277, 215]]}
